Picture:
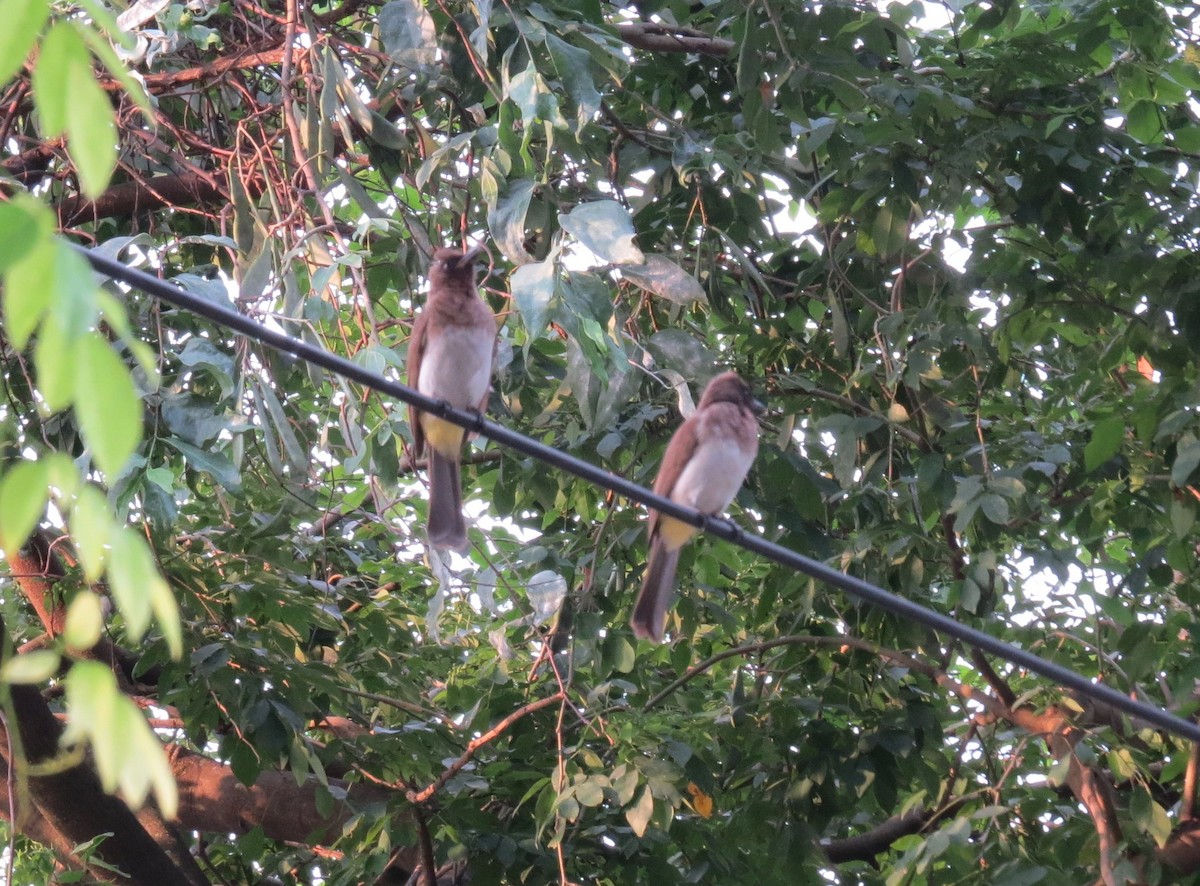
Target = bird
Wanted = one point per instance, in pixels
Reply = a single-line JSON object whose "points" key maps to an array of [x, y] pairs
{"points": [[703, 468], [450, 357]]}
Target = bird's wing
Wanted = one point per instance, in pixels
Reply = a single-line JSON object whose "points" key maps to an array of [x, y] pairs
{"points": [[416, 350], [679, 453]]}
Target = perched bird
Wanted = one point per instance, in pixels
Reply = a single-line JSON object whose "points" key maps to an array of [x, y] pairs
{"points": [[449, 358], [703, 467]]}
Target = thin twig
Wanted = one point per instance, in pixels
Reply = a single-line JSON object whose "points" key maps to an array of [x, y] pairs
{"points": [[418, 797]]}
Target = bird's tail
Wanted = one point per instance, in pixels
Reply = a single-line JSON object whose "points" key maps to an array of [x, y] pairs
{"points": [[658, 587], [447, 528]]}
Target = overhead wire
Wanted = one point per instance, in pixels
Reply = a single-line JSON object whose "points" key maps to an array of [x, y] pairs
{"points": [[720, 527]]}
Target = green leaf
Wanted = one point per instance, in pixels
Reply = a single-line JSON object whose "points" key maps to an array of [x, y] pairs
{"points": [[408, 33], [23, 21], [1143, 122], [532, 96], [200, 352], [132, 574], [107, 405], [215, 463], [1107, 437], [85, 621], [1186, 139], [663, 277], [1183, 516], [23, 495], [683, 352], [533, 288], [638, 815], [604, 227], [995, 508], [1187, 457], [297, 456], [506, 221], [574, 68], [590, 792], [889, 231], [92, 131], [72, 288]]}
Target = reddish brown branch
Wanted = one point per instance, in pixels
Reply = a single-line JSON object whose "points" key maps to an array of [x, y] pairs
{"points": [[212, 799], [246, 58], [147, 195]]}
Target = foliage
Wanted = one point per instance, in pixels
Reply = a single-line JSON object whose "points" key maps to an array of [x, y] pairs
{"points": [[954, 245]]}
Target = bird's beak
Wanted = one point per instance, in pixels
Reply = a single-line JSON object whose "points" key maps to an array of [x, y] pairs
{"points": [[469, 257]]}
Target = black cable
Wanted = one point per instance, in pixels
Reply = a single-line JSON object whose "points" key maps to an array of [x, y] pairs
{"points": [[720, 527]]}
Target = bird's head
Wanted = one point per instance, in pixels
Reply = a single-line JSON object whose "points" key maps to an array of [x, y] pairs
{"points": [[728, 387], [453, 264]]}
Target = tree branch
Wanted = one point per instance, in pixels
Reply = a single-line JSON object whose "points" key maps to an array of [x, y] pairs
{"points": [[487, 737], [662, 38], [146, 195], [72, 801]]}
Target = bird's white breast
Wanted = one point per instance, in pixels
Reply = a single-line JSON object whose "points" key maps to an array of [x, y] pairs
{"points": [[712, 475], [457, 365]]}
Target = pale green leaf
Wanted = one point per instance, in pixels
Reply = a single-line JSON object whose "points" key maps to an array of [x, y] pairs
{"points": [[85, 621], [24, 222], [91, 131], [62, 52], [604, 227], [54, 362], [683, 352], [297, 456], [661, 276], [103, 50], [533, 292], [126, 751], [638, 815], [91, 696], [506, 221], [26, 296], [23, 496], [91, 525], [106, 404], [72, 292], [30, 667], [408, 33], [166, 613], [529, 92], [1187, 458], [132, 574], [23, 21]]}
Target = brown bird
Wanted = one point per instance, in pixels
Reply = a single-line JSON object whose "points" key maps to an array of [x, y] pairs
{"points": [[703, 468], [449, 358]]}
